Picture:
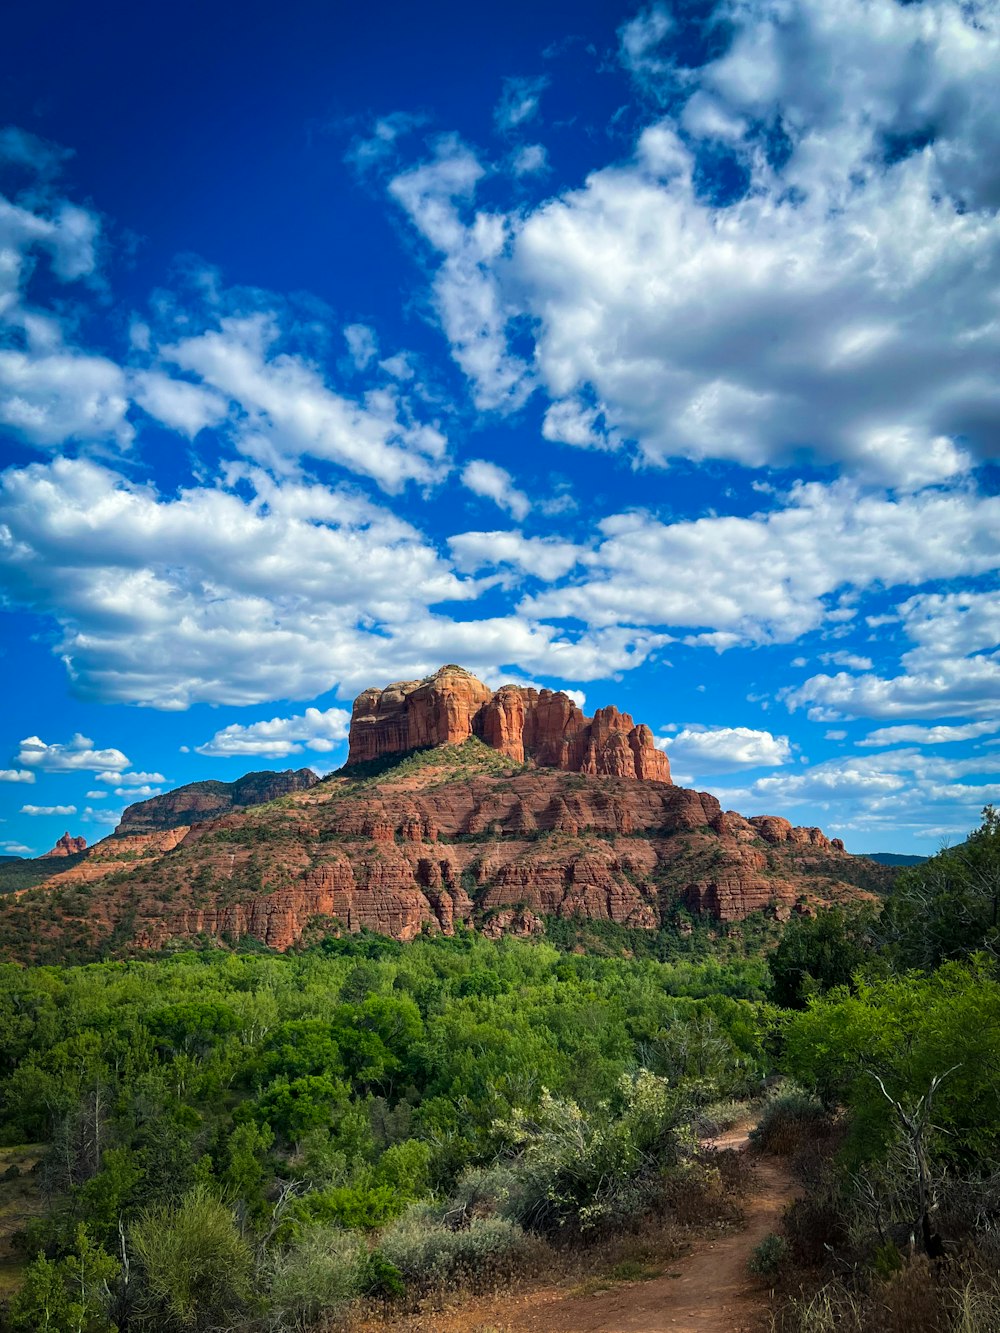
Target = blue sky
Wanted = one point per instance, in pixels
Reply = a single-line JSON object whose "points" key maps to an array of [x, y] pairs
{"points": [[649, 353]]}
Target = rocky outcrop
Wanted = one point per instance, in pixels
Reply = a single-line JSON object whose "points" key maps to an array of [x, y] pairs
{"points": [[543, 727], [210, 799], [67, 846], [433, 848]]}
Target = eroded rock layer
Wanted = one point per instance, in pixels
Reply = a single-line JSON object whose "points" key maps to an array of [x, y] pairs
{"points": [[455, 838], [544, 727]]}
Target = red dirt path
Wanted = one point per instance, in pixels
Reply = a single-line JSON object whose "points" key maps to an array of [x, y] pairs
{"points": [[706, 1291]]}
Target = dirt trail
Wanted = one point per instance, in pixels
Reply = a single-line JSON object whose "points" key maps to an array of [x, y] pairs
{"points": [[708, 1290]]}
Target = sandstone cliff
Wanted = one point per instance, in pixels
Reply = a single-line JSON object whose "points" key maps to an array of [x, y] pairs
{"points": [[66, 846], [543, 727], [455, 835]]}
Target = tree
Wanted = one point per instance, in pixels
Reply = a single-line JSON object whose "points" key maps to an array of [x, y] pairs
{"points": [[817, 953], [949, 907], [71, 1296]]}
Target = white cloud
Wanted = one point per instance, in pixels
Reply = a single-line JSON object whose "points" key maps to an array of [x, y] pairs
{"points": [[313, 729], [939, 735], [726, 749], [138, 793], [78, 755], [48, 809], [952, 670], [186, 408], [115, 778], [362, 344], [530, 160], [852, 661], [518, 103], [775, 576], [870, 253], [496, 484], [12, 848], [97, 795], [888, 795], [50, 391], [642, 42], [546, 558], [288, 592], [110, 818], [285, 409], [466, 292], [16, 775]]}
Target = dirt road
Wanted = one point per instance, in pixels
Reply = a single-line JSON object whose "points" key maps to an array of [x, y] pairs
{"points": [[706, 1291]]}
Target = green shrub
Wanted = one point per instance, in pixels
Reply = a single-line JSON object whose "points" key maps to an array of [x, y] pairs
{"points": [[786, 1122], [318, 1274], [195, 1263], [430, 1253], [769, 1258]]}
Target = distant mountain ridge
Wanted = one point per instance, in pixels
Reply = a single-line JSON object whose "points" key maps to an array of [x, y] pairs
{"points": [[895, 858]]}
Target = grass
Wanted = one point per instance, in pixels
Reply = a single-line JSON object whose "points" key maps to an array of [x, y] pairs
{"points": [[471, 758]]}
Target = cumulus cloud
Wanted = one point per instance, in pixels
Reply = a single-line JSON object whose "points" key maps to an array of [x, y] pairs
{"points": [[48, 809], [496, 484], [138, 793], [939, 735], [78, 755], [726, 749], [869, 251], [953, 669], [50, 391], [546, 558], [14, 848], [113, 778], [110, 818], [775, 576], [852, 661], [184, 407], [222, 596], [892, 793], [315, 729], [285, 410], [473, 311], [16, 775], [530, 160]]}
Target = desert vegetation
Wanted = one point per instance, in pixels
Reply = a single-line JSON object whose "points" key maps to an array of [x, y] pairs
{"points": [[245, 1140]]}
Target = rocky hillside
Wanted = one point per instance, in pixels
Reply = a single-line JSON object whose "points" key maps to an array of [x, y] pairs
{"points": [[426, 839], [198, 801]]}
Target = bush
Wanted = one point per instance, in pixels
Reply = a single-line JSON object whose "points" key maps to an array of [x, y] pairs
{"points": [[787, 1123], [769, 1258], [195, 1262], [318, 1274], [593, 1168], [429, 1253]]}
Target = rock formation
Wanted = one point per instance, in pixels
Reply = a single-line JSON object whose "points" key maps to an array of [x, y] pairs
{"points": [[556, 826], [544, 727], [208, 800], [67, 846]]}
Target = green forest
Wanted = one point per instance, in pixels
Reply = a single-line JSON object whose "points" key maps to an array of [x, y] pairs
{"points": [[214, 1140]]}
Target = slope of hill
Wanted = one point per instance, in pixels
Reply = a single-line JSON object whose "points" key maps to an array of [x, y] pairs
{"points": [[428, 840], [895, 859]]}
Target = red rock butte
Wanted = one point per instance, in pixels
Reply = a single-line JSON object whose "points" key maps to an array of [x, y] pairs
{"points": [[542, 727], [67, 846]]}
